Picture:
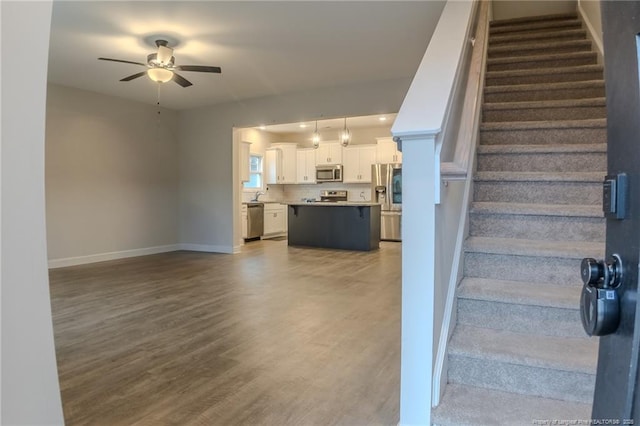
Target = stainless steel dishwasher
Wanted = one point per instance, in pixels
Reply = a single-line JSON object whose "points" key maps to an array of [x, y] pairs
{"points": [[255, 220]]}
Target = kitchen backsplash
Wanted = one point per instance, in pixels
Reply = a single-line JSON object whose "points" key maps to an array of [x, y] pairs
{"points": [[273, 193], [356, 191], [292, 193]]}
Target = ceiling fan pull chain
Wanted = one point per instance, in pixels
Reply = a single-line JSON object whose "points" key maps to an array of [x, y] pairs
{"points": [[158, 116]]}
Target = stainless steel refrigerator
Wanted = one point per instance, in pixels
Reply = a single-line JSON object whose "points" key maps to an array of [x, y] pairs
{"points": [[386, 189]]}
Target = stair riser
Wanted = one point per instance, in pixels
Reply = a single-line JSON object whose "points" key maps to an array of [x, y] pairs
{"points": [[546, 63], [499, 52], [530, 28], [543, 382], [544, 94], [539, 192], [544, 78], [543, 136], [543, 114], [520, 318], [550, 36], [528, 269], [553, 162], [552, 228]]}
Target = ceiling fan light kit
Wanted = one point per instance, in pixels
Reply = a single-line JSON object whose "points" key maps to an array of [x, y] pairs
{"points": [[160, 75], [161, 66]]}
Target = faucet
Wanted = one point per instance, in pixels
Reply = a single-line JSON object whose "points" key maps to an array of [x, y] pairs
{"points": [[258, 194]]}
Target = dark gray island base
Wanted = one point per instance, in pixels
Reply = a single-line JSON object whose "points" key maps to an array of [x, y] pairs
{"points": [[347, 226]]}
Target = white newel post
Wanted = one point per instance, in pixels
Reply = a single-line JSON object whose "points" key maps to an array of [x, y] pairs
{"points": [[419, 187]]}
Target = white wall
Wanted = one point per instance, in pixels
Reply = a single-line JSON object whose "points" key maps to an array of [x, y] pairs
{"points": [[111, 177], [209, 202], [592, 12], [507, 9], [592, 17], [30, 392]]}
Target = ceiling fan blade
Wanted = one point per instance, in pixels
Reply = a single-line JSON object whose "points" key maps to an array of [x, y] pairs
{"points": [[123, 61], [198, 68], [181, 80], [131, 77]]}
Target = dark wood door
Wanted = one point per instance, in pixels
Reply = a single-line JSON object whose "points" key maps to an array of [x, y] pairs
{"points": [[616, 395]]}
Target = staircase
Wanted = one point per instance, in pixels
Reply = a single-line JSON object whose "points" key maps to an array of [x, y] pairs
{"points": [[518, 352]]}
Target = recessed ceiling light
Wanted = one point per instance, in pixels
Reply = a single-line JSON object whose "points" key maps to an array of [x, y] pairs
{"points": [[303, 125], [382, 118]]}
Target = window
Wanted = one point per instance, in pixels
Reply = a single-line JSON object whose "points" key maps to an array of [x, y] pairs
{"points": [[255, 172]]}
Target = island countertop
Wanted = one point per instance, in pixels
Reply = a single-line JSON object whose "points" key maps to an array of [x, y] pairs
{"points": [[333, 203], [342, 225]]}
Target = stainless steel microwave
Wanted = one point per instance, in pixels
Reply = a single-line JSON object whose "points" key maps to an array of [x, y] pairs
{"points": [[329, 173]]}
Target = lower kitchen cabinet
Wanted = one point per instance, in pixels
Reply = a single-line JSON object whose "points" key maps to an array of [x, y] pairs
{"points": [[245, 224], [275, 220]]}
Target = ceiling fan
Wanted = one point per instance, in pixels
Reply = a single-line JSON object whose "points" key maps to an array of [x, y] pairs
{"points": [[161, 66]]}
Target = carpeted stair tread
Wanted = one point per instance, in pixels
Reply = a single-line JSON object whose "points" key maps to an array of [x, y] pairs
{"points": [[578, 69], [536, 87], [574, 148], [557, 103], [520, 293], [528, 19], [528, 209], [527, 49], [553, 352], [592, 123], [464, 405], [516, 38], [520, 27], [586, 177], [537, 59], [542, 248]]}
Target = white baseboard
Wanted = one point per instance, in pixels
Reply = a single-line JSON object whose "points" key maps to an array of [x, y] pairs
{"points": [[206, 248], [101, 257]]}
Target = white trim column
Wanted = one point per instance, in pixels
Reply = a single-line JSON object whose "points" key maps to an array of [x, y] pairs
{"points": [[418, 277]]}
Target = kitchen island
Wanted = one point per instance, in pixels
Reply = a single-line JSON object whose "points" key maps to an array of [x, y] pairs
{"points": [[339, 225]]}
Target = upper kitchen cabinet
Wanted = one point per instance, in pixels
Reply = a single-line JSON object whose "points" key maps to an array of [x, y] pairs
{"points": [[245, 165], [281, 163], [357, 163], [388, 151], [306, 165], [329, 153]]}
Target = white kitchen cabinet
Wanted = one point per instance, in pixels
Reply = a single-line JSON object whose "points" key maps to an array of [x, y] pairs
{"points": [[388, 151], [275, 220], [306, 165], [357, 163], [281, 163], [245, 152], [329, 153]]}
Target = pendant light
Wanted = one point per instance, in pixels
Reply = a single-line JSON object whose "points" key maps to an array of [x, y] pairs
{"points": [[316, 137], [345, 136]]}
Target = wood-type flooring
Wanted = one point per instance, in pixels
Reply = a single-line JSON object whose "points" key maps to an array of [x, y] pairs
{"points": [[276, 335]]}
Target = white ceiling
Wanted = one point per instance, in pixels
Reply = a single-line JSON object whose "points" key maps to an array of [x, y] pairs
{"points": [[264, 48]]}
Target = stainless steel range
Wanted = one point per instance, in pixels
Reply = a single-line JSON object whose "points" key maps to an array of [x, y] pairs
{"points": [[329, 195]]}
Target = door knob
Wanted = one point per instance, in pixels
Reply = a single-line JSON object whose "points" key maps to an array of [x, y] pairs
{"points": [[599, 303]]}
